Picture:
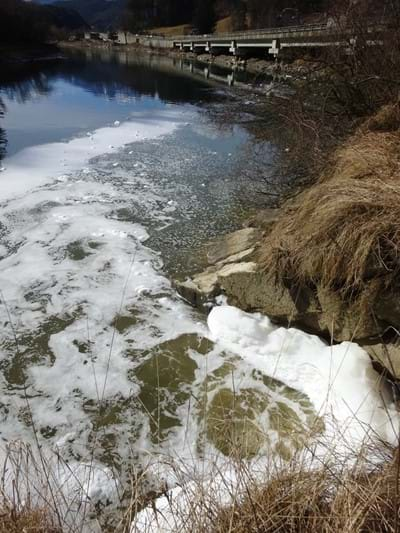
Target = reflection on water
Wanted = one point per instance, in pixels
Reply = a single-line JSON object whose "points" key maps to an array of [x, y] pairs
{"points": [[112, 76], [65, 96], [3, 140]]}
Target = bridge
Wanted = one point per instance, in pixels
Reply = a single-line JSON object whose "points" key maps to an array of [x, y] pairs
{"points": [[275, 40], [272, 40]]}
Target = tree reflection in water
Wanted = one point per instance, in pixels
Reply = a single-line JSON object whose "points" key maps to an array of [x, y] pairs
{"points": [[3, 139], [21, 81]]}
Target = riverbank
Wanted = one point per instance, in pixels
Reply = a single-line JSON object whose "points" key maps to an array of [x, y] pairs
{"points": [[298, 68], [327, 260], [21, 53], [251, 389]]}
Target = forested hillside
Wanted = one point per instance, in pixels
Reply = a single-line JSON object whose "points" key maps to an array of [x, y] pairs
{"points": [[28, 22], [204, 13], [100, 14]]}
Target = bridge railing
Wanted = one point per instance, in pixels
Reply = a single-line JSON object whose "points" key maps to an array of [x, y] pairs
{"points": [[327, 27], [267, 32]]}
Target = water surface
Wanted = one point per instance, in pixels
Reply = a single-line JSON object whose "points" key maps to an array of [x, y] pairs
{"points": [[113, 173]]}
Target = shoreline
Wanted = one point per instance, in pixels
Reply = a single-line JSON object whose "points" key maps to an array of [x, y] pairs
{"points": [[244, 269], [252, 65]]}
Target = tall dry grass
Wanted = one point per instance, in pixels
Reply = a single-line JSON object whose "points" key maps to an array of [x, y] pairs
{"points": [[344, 231], [305, 501]]}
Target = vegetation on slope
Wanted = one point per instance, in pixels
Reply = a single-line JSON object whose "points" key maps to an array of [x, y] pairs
{"points": [[100, 14], [203, 14], [302, 500], [344, 232], [23, 22]]}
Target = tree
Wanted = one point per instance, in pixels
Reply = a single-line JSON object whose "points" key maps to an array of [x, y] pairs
{"points": [[239, 15], [205, 18]]}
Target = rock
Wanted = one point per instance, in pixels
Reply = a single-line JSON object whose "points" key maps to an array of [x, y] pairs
{"points": [[387, 308], [239, 257], [233, 244], [252, 290], [386, 356], [263, 219], [344, 322], [200, 289]]}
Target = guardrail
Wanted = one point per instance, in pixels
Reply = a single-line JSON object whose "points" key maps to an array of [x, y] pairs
{"points": [[271, 32], [267, 32]]}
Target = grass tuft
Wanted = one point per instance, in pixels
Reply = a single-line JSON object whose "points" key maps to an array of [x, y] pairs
{"points": [[344, 231], [26, 520]]}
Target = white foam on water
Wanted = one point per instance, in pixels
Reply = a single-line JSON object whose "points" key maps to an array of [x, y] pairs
{"points": [[69, 267], [37, 165], [70, 491], [339, 380]]}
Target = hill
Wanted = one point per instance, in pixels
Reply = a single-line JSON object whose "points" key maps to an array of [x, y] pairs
{"points": [[22, 22], [100, 14]]}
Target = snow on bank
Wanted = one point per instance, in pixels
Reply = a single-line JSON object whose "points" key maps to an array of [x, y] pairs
{"points": [[339, 380]]}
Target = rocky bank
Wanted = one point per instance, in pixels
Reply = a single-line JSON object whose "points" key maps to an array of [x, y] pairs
{"points": [[327, 261]]}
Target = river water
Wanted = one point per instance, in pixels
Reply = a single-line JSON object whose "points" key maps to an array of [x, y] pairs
{"points": [[113, 173]]}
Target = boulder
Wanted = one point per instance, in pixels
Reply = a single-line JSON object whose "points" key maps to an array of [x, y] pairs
{"points": [[242, 241], [204, 287], [348, 322], [263, 219], [387, 308], [225, 255], [200, 289], [251, 289], [385, 356]]}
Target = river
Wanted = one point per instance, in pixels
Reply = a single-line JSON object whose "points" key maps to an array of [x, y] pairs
{"points": [[113, 174]]}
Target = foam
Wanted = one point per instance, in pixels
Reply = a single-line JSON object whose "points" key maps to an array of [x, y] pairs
{"points": [[46, 161], [339, 379], [66, 256], [66, 209], [75, 489]]}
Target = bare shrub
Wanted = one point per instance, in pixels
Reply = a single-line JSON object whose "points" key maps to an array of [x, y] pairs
{"points": [[346, 84]]}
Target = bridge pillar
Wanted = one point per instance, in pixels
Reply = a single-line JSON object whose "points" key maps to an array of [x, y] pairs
{"points": [[350, 50], [275, 48]]}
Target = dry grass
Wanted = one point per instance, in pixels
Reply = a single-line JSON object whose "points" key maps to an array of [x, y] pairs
{"points": [[168, 31], [344, 231], [301, 501], [26, 521], [224, 25]]}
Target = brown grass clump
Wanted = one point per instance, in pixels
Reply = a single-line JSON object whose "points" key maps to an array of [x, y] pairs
{"points": [[26, 521], [170, 31], [322, 501], [345, 230]]}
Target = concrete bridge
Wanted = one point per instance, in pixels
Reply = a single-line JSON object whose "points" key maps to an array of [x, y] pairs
{"points": [[272, 40], [275, 40]]}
